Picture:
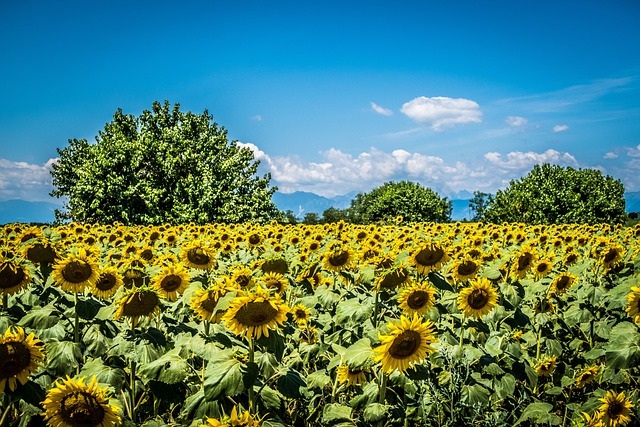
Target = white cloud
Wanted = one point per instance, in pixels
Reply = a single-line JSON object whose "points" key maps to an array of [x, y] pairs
{"points": [[610, 155], [381, 110], [521, 160], [560, 128], [633, 151], [442, 112], [256, 118], [21, 180], [516, 121]]}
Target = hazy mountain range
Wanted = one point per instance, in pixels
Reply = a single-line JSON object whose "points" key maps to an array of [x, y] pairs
{"points": [[298, 202]]}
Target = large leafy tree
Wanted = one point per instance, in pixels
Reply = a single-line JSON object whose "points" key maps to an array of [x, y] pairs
{"points": [[165, 166], [551, 194], [407, 199]]}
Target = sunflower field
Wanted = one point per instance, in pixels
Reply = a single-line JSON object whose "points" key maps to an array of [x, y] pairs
{"points": [[405, 324]]}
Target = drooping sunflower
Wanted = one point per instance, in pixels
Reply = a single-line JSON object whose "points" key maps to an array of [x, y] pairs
{"points": [[76, 271], [611, 256], [14, 276], [615, 409], [108, 283], [20, 355], [241, 419], [407, 343], [137, 303], [429, 256], [587, 376], [633, 303], [301, 314], [171, 280], [464, 269], [338, 258], [40, 251], [393, 277], [72, 403], [198, 255], [563, 282], [546, 367], [275, 265], [350, 376], [522, 263], [417, 298], [205, 301], [253, 314], [477, 299], [274, 282]]}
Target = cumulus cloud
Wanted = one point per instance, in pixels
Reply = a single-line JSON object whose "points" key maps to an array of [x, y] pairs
{"points": [[256, 118], [442, 112], [22, 180], [610, 155], [339, 173], [381, 110], [516, 121], [633, 151], [560, 128]]}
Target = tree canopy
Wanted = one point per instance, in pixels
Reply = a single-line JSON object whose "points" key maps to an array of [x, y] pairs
{"points": [[165, 166], [551, 194], [406, 199]]}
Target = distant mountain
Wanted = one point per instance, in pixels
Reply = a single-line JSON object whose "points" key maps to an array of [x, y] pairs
{"points": [[302, 202], [26, 212], [633, 201]]}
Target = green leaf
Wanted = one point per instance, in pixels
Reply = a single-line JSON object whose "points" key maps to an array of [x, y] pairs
{"points": [[539, 413], [62, 357], [40, 318], [318, 380], [115, 377], [290, 383], [506, 387], [375, 412], [359, 355], [475, 394], [335, 413], [88, 308], [271, 399], [197, 407], [623, 348], [169, 368], [353, 310], [226, 376]]}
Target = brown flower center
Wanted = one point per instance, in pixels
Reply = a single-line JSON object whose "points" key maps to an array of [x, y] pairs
{"points": [[478, 299], [466, 268], [256, 313], [81, 409], [610, 255], [405, 345], [40, 253], [14, 358], [339, 259], [418, 299], [107, 282], [10, 275], [140, 303], [171, 282], [524, 261], [394, 279], [429, 256], [198, 256], [76, 272]]}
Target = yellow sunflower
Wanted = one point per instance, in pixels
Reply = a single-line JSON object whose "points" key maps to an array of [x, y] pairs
{"points": [[338, 258], [171, 281], [14, 276], [633, 304], [464, 269], [198, 255], [19, 357], [546, 367], [611, 256], [430, 256], [615, 409], [522, 263], [587, 376], [72, 403], [301, 314], [204, 302], [417, 298], [241, 276], [592, 421], [407, 343], [243, 419], [393, 277], [108, 283], [542, 268], [563, 282], [76, 271], [350, 376], [253, 314], [275, 282], [477, 299], [137, 303]]}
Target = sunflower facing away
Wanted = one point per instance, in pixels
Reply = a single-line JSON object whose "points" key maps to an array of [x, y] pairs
{"points": [[19, 357], [243, 419], [615, 409], [76, 271], [253, 314], [137, 303], [72, 403], [563, 282], [633, 304], [430, 256], [14, 276], [546, 367], [587, 376], [171, 280], [477, 299], [407, 343], [350, 376], [417, 298], [108, 283]]}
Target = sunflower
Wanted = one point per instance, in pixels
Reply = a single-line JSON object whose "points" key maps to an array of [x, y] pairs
{"points": [[611, 256], [76, 271], [464, 269], [301, 314], [275, 265], [393, 278], [633, 304], [171, 281], [19, 357], [241, 276], [204, 302], [546, 367], [108, 283], [198, 255], [430, 256], [563, 282], [477, 299], [544, 305], [252, 315], [14, 276], [615, 409], [407, 343], [350, 376], [40, 251], [244, 419], [542, 268], [338, 258], [587, 376], [275, 282], [417, 298], [72, 403], [137, 303], [592, 421], [523, 263]]}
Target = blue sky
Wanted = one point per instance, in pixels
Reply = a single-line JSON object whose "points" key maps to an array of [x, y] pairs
{"points": [[335, 96]]}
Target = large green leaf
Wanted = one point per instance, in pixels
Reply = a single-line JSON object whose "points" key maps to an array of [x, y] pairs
{"points": [[290, 383], [227, 376], [62, 357], [169, 368], [539, 413], [359, 355], [115, 377], [623, 348]]}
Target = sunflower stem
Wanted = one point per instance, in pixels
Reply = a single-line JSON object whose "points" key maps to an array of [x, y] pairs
{"points": [[76, 324], [376, 309], [382, 395], [132, 379], [251, 391]]}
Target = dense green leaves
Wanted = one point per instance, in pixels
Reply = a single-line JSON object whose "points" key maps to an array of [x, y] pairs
{"points": [[165, 166]]}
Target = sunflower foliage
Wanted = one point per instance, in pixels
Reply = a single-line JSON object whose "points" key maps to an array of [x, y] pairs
{"points": [[319, 325]]}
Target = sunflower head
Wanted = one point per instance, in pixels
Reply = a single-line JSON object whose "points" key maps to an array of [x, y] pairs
{"points": [[171, 280], [587, 376], [633, 304], [522, 263], [430, 256], [301, 314], [236, 419], [407, 343], [108, 283], [417, 298], [351, 377], [72, 403], [15, 275], [465, 268], [254, 314], [198, 255], [542, 268], [76, 271], [204, 302], [563, 282], [338, 258], [137, 303], [546, 367], [477, 299], [393, 277], [20, 355], [616, 409], [274, 282]]}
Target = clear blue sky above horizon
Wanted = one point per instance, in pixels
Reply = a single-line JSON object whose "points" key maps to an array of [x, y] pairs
{"points": [[335, 97]]}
